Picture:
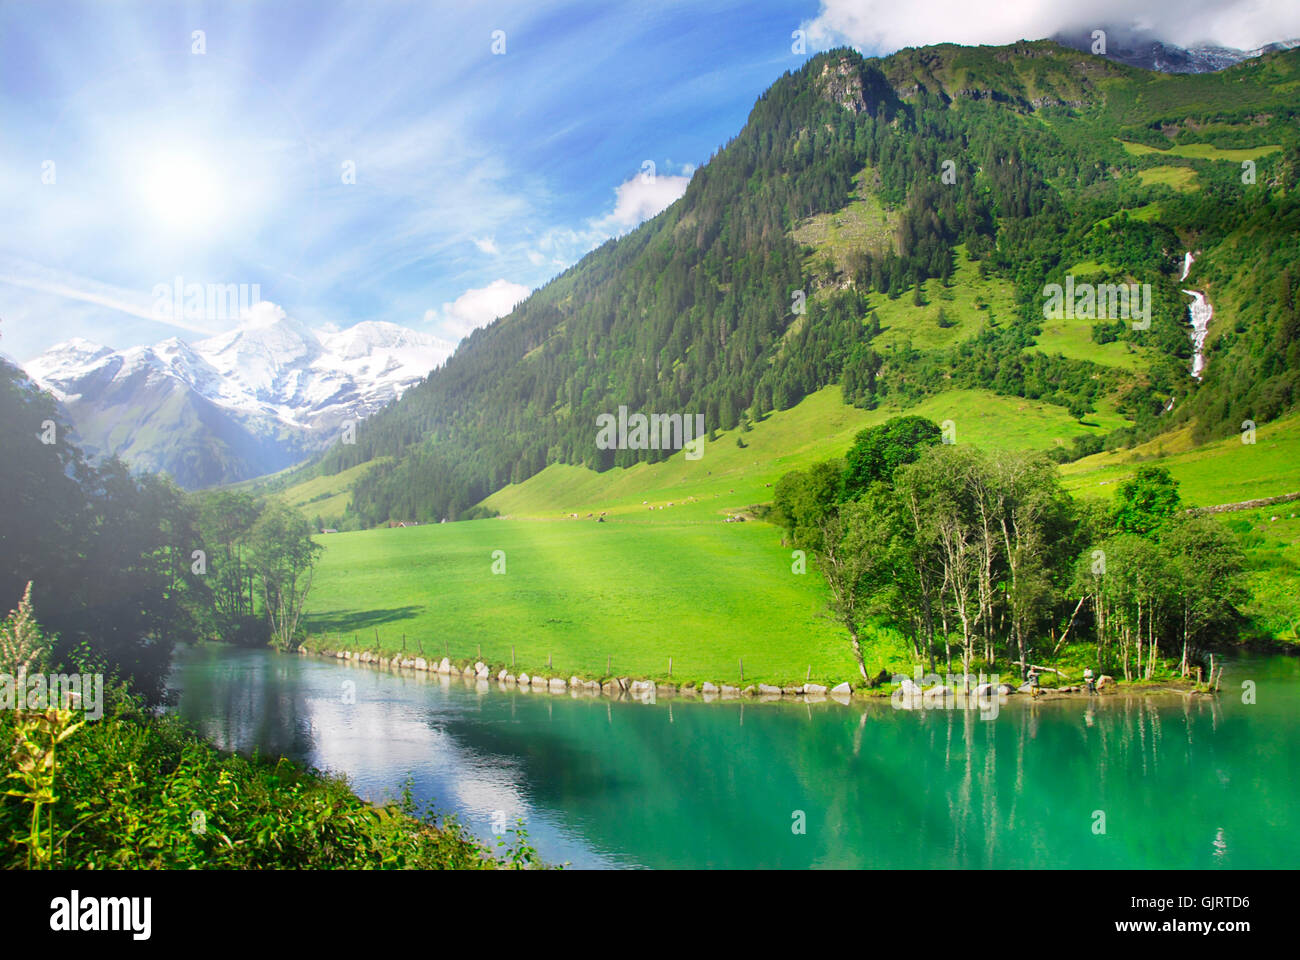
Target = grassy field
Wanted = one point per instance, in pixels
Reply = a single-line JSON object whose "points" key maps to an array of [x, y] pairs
{"points": [[1271, 537], [1202, 151], [968, 304], [574, 594], [1182, 179], [1145, 214], [1072, 338], [729, 478], [1225, 471], [664, 576], [325, 496]]}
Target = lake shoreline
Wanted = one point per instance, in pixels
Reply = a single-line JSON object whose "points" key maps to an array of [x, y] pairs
{"points": [[479, 675]]}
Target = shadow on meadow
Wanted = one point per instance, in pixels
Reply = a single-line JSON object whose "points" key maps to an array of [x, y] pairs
{"points": [[354, 621]]}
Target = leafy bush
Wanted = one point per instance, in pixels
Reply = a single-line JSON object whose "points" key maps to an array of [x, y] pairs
{"points": [[136, 791]]}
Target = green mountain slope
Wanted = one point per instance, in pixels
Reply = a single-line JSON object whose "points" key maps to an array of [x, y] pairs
{"points": [[887, 227]]}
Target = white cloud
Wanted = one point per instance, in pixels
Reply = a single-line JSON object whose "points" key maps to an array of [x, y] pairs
{"points": [[883, 26], [264, 313], [636, 200], [33, 276], [640, 198], [479, 307], [486, 245]]}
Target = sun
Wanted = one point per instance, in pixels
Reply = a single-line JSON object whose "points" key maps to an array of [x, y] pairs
{"points": [[182, 192]]}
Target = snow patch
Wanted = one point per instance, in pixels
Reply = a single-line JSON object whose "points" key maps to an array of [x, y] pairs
{"points": [[269, 368]]}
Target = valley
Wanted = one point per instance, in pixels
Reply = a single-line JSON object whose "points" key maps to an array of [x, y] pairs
{"points": [[985, 359], [666, 576]]}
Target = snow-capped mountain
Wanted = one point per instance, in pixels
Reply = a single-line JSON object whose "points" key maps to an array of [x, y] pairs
{"points": [[240, 404], [1139, 49]]}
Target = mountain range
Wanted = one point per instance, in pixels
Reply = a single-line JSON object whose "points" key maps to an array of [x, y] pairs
{"points": [[1140, 49], [240, 404], [860, 182]]}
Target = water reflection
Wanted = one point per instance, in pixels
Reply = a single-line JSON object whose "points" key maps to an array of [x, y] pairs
{"points": [[1182, 782]]}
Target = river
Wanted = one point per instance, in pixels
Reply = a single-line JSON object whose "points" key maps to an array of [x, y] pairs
{"points": [[1116, 781]]}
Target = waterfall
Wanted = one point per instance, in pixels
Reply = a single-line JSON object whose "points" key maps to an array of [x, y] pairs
{"points": [[1201, 312]]}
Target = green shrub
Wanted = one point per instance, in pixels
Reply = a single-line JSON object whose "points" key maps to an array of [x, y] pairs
{"points": [[135, 791]]}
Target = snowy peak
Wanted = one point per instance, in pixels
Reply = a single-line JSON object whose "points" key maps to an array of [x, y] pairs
{"points": [[271, 377], [70, 355], [278, 342], [1138, 48], [373, 335], [262, 358]]}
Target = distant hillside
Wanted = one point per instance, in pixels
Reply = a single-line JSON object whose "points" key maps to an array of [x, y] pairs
{"points": [[918, 205]]}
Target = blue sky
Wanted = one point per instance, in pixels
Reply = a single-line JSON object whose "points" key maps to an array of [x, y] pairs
{"points": [[128, 159], [477, 175]]}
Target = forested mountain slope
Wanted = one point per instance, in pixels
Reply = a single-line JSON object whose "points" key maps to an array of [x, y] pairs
{"points": [[863, 187]]}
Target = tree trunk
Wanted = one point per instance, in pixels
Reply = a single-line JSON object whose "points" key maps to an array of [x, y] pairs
{"points": [[1184, 663], [857, 653]]}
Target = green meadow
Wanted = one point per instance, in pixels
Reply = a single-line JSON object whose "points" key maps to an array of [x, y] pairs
{"points": [[1181, 179], [1072, 337], [589, 598], [1202, 151], [968, 303], [1223, 471], [728, 478], [664, 576], [326, 496]]}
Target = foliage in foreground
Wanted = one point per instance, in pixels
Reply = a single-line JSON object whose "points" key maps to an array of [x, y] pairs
{"points": [[119, 567], [135, 791]]}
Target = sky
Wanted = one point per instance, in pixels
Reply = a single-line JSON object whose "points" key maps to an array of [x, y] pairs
{"points": [[426, 164]]}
